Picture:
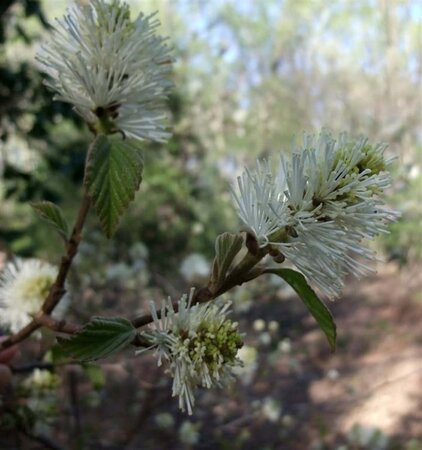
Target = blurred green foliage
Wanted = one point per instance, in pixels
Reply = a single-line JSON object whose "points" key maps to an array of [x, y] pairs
{"points": [[404, 243]]}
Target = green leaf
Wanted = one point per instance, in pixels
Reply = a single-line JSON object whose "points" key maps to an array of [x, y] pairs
{"points": [[101, 337], [113, 175], [53, 215], [315, 306], [227, 246]]}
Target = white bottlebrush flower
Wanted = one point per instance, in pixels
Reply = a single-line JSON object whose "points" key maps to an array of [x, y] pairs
{"points": [[325, 253], [199, 343], [24, 285], [345, 176], [319, 207], [113, 70], [260, 202]]}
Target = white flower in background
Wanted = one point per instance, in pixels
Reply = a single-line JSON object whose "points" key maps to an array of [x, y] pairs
{"points": [[271, 409], [285, 345], [42, 381], [164, 420], [41, 389], [188, 433], [24, 285], [333, 374], [113, 70], [264, 339], [273, 326], [319, 206], [259, 325], [199, 343], [194, 266], [249, 357], [368, 437]]}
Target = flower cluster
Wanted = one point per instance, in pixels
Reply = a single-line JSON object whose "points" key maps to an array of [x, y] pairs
{"points": [[199, 343], [24, 285], [41, 381], [113, 70], [319, 206]]}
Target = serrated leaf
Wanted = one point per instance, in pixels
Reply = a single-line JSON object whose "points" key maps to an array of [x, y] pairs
{"points": [[113, 175], [227, 246], [315, 306], [101, 337], [53, 215]]}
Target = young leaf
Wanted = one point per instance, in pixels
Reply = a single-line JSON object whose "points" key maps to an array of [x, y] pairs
{"points": [[53, 215], [113, 175], [227, 246], [101, 337], [315, 306]]}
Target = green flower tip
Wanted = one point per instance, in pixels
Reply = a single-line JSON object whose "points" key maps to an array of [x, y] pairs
{"points": [[219, 344], [373, 159]]}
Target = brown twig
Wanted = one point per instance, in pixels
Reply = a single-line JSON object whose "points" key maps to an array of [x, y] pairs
{"points": [[57, 290], [238, 276], [60, 326], [41, 320]]}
